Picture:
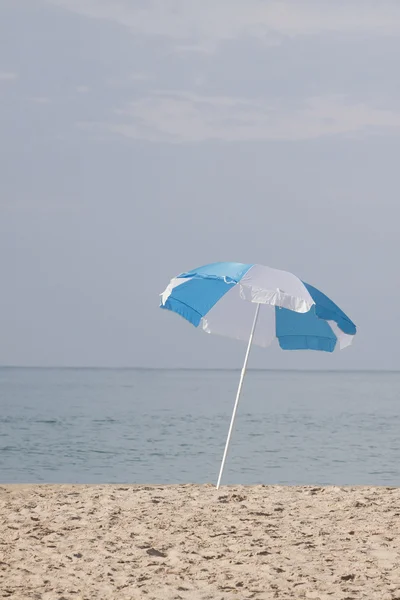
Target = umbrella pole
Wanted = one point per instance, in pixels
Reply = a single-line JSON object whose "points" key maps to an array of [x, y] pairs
{"points": [[239, 390]]}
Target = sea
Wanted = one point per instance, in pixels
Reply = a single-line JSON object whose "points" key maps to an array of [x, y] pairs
{"points": [[170, 426]]}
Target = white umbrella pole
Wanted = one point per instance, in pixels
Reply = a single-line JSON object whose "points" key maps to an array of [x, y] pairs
{"points": [[246, 358]]}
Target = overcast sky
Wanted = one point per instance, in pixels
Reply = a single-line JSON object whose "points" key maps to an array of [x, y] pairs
{"points": [[143, 138]]}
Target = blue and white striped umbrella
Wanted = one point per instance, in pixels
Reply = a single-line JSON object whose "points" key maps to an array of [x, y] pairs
{"points": [[219, 298], [258, 304]]}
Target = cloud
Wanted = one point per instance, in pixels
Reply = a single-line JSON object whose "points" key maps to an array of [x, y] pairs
{"points": [[8, 76], [41, 100], [205, 21], [187, 117]]}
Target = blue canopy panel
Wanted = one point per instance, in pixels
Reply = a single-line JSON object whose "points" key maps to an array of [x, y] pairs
{"points": [[205, 287], [303, 331], [227, 271], [194, 298], [329, 311]]}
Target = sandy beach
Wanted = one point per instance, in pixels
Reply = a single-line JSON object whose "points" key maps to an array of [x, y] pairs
{"points": [[64, 542]]}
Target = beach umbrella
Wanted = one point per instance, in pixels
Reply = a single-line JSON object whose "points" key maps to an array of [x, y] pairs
{"points": [[257, 304]]}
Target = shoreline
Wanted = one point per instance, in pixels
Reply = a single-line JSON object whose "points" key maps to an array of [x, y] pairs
{"points": [[229, 486], [84, 541]]}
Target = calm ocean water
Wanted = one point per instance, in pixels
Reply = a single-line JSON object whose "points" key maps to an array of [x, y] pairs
{"points": [[139, 426]]}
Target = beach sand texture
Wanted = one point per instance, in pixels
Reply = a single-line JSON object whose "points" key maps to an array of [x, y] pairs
{"points": [[64, 542]]}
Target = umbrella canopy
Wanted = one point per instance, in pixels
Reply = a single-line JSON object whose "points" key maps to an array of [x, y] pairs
{"points": [[258, 304], [219, 298]]}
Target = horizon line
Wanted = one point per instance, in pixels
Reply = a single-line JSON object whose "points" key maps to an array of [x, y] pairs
{"points": [[141, 368]]}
